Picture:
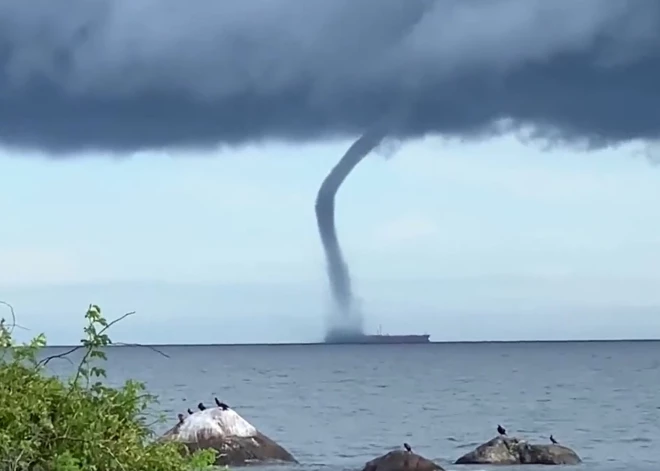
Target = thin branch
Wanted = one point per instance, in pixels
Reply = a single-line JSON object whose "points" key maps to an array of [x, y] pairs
{"points": [[89, 350], [150, 347], [59, 356], [45, 361], [13, 324], [11, 311], [64, 355], [119, 319], [109, 452]]}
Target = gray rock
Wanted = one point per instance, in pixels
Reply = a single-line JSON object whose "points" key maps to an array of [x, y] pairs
{"points": [[511, 451], [400, 460], [237, 442], [551, 454]]}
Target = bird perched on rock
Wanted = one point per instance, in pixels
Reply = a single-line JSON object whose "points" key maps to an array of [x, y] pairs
{"points": [[501, 430], [190, 412], [407, 447], [201, 406], [181, 419], [221, 405], [552, 439]]}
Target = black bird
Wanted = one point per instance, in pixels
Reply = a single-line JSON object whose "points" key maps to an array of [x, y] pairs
{"points": [[201, 406], [407, 447], [554, 442], [190, 412], [501, 430], [180, 418], [221, 405]]}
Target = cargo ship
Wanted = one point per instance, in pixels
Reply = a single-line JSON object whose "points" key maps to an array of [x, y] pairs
{"points": [[347, 337]]}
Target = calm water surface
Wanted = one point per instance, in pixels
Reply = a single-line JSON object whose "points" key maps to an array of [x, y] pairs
{"points": [[336, 407]]}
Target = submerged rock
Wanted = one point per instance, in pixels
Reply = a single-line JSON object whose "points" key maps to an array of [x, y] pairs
{"points": [[400, 460], [505, 450], [236, 440]]}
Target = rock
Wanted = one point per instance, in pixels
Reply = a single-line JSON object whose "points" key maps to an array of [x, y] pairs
{"points": [[551, 454], [237, 441], [400, 460], [505, 450], [499, 450]]}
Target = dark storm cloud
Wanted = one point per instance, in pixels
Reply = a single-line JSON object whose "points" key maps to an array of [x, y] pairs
{"points": [[128, 74]]}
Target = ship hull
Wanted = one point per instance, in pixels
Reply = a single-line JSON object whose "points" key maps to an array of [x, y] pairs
{"points": [[347, 339]]}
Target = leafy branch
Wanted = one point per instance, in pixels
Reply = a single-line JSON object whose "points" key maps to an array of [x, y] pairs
{"points": [[47, 423]]}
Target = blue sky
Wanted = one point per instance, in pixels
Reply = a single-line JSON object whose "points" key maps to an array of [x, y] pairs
{"points": [[464, 241]]}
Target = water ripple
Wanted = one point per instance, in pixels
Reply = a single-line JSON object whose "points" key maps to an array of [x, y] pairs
{"points": [[338, 407]]}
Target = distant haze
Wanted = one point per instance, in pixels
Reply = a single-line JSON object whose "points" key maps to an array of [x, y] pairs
{"points": [[489, 241]]}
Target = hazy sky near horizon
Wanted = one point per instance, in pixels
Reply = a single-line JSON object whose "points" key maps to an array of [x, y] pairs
{"points": [[465, 241]]}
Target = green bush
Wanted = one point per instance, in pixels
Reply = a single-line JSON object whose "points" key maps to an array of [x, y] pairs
{"points": [[50, 424]]}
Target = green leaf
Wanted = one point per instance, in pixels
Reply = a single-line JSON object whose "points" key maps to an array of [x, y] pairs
{"points": [[50, 423]]}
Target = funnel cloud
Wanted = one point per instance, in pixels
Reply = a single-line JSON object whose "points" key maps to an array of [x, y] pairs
{"points": [[346, 318], [122, 75]]}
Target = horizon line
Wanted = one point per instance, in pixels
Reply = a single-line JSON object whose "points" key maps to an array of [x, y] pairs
{"points": [[320, 343]]}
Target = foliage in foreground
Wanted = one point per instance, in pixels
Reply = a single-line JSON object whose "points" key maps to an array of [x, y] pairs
{"points": [[51, 424]]}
